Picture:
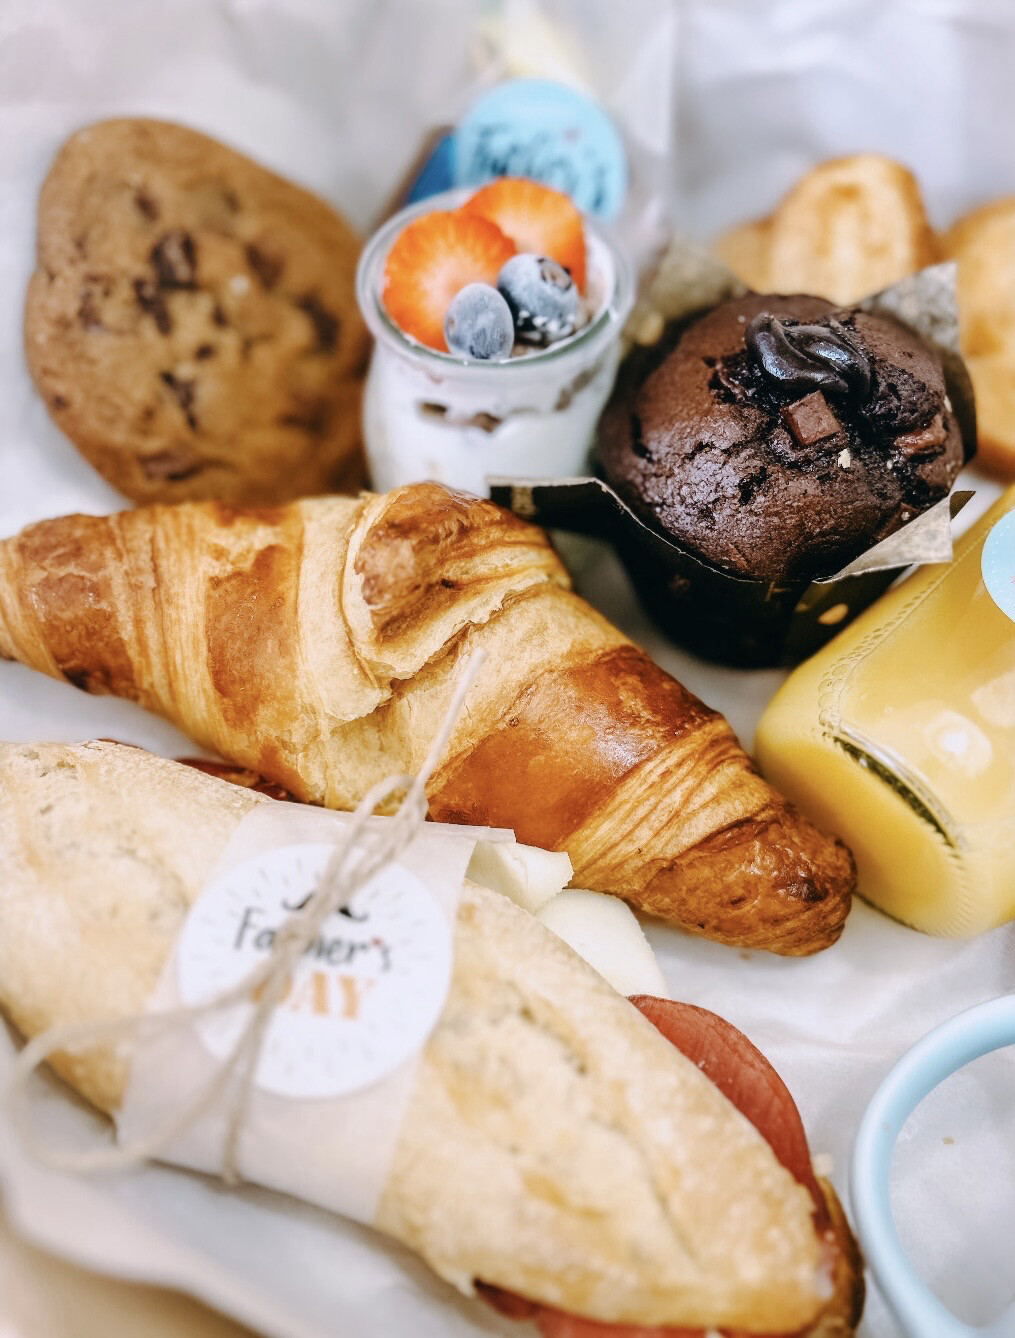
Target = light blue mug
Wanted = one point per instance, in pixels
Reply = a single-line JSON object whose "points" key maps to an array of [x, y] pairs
{"points": [[949, 1047]]}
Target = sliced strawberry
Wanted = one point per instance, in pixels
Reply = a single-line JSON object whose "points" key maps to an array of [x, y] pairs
{"points": [[748, 1080], [432, 260], [537, 218]]}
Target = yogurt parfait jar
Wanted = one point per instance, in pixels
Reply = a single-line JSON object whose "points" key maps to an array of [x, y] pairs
{"points": [[438, 416]]}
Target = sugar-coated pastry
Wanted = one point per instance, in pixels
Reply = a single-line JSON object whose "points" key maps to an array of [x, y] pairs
{"points": [[983, 244], [744, 249], [993, 376], [849, 227]]}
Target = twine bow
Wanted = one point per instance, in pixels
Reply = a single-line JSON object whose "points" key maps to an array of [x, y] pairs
{"points": [[363, 850]]}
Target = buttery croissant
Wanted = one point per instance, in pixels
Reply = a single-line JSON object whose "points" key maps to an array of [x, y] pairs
{"points": [[319, 644], [555, 1145]]}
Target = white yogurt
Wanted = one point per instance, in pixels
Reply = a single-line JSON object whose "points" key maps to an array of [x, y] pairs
{"points": [[430, 415]]}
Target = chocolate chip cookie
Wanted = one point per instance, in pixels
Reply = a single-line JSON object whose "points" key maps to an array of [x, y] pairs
{"points": [[192, 321]]}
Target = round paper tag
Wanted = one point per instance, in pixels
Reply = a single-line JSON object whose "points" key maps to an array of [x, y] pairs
{"points": [[366, 993], [998, 564], [547, 131]]}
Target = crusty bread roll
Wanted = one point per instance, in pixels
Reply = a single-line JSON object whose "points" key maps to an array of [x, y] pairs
{"points": [[983, 245], [555, 1145], [849, 227], [319, 645]]}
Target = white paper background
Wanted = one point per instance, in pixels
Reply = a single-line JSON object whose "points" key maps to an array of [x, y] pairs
{"points": [[334, 94]]}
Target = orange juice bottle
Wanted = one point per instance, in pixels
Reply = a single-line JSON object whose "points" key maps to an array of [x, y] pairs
{"points": [[899, 736]]}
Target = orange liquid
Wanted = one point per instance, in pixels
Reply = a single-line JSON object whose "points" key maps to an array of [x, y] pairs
{"points": [[899, 736], [934, 698]]}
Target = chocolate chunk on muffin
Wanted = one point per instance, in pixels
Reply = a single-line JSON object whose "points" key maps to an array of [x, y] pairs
{"points": [[777, 438]]}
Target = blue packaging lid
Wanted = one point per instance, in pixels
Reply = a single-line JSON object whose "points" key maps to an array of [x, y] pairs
{"points": [[997, 563], [547, 131], [437, 173]]}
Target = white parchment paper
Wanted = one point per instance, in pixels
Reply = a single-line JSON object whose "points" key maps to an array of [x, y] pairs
{"points": [[336, 94], [348, 1139]]}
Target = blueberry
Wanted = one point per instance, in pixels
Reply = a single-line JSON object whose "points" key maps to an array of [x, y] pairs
{"points": [[542, 297], [478, 323]]}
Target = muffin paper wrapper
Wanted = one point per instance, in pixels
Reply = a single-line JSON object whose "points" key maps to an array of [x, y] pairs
{"points": [[726, 617], [720, 616]]}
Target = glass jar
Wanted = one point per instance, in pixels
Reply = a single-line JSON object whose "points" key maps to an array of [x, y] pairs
{"points": [[899, 737], [432, 415]]}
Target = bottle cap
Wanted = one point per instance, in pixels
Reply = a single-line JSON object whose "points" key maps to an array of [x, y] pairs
{"points": [[998, 564]]}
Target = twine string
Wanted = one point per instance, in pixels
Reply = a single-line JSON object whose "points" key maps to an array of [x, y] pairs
{"points": [[362, 850]]}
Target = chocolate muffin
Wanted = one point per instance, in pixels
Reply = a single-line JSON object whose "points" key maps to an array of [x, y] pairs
{"points": [[777, 438]]}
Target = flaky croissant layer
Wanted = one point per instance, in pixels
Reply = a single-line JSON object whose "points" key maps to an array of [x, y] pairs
{"points": [[319, 644]]}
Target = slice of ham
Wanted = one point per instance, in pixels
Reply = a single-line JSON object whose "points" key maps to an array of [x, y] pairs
{"points": [[748, 1080]]}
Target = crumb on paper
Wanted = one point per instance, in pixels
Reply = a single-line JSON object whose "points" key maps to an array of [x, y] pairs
{"points": [[948, 1140]]}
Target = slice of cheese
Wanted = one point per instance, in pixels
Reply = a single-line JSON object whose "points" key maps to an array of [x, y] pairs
{"points": [[530, 877], [604, 930]]}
